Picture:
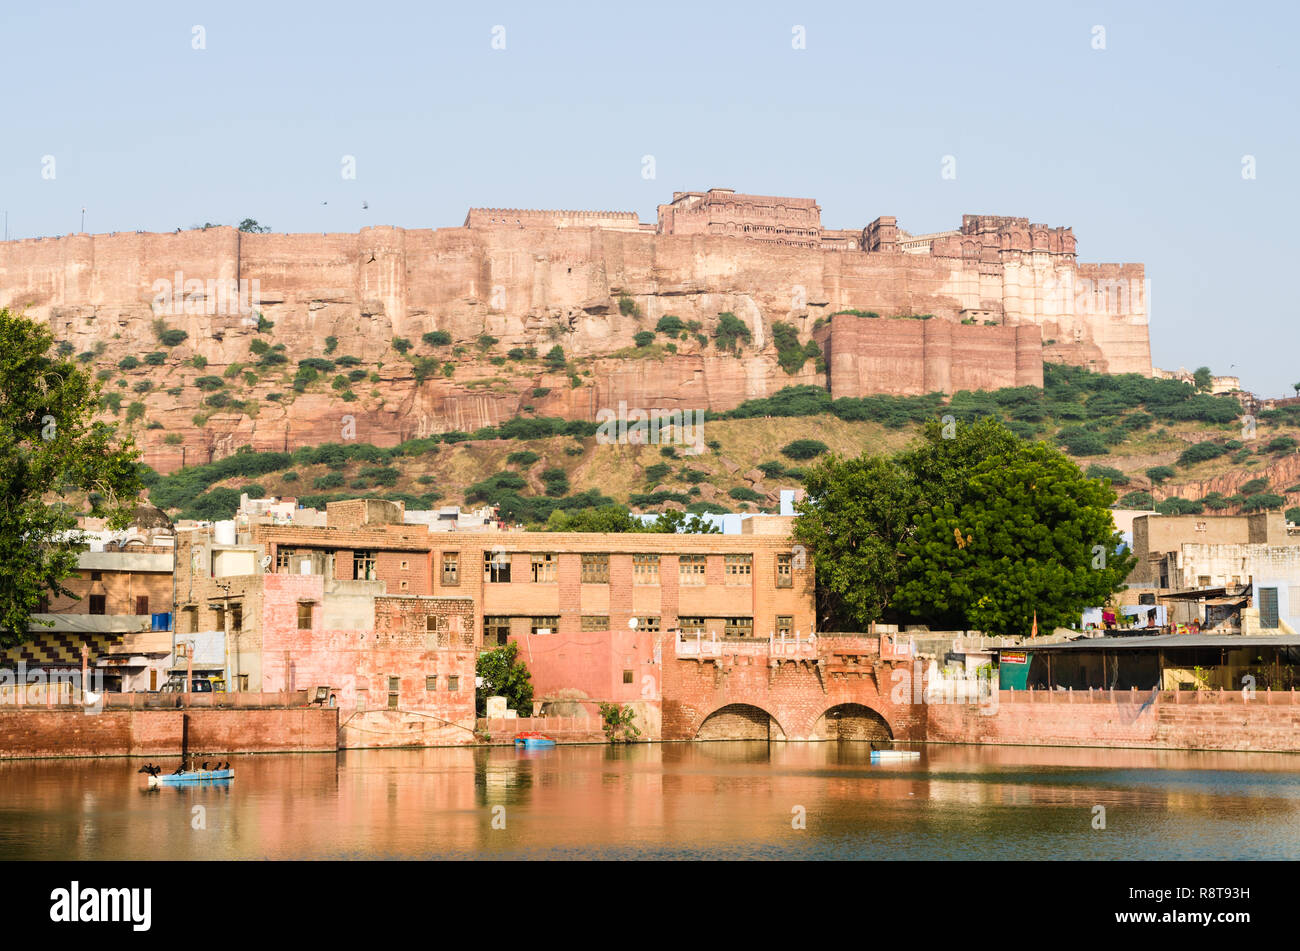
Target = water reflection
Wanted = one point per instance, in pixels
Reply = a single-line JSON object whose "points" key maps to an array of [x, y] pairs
{"points": [[707, 800]]}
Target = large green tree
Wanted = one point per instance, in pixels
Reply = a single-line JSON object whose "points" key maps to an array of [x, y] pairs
{"points": [[854, 520], [1032, 537], [53, 455], [970, 528]]}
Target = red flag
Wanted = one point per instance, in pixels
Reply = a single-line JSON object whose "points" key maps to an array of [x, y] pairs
{"points": [[1034, 632]]}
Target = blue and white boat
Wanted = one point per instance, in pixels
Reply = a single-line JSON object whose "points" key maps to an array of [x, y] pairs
{"points": [[533, 741], [190, 777], [893, 756]]}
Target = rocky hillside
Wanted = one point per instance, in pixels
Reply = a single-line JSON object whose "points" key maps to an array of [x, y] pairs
{"points": [[1144, 435]]}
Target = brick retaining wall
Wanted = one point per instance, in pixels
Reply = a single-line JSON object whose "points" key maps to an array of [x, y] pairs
{"points": [[54, 733], [1200, 720]]}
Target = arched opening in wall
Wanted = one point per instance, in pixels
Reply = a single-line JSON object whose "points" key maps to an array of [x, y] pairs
{"points": [[851, 721], [740, 721]]}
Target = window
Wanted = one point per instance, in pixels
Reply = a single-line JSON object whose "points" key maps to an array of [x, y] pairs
{"points": [[142, 604], [451, 568], [645, 569], [405, 585], [453, 682], [284, 560], [543, 569], [496, 631], [96, 576], [690, 569], [691, 625], [304, 615], [595, 569], [496, 567], [544, 625], [595, 622], [43, 604], [182, 650], [363, 566], [648, 625], [404, 566], [1203, 581], [738, 568], [627, 677], [431, 682], [784, 624], [394, 684], [432, 622], [1268, 608], [738, 627], [98, 604], [784, 572]]}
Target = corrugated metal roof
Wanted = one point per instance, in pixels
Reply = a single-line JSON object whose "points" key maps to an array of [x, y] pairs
{"points": [[1165, 640]]}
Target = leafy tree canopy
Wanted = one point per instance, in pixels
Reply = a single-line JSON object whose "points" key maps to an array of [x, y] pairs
{"points": [[977, 530], [51, 453]]}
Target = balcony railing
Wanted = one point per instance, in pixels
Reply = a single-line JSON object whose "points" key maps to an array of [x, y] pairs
{"points": [[775, 645]]}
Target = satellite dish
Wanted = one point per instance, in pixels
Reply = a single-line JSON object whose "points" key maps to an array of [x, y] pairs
{"points": [[631, 623], [266, 562]]}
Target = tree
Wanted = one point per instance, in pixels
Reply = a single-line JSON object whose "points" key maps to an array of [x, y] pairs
{"points": [[853, 523], [1202, 379], [1032, 537], [251, 226], [554, 358], [971, 527], [504, 675], [1159, 474], [51, 451]]}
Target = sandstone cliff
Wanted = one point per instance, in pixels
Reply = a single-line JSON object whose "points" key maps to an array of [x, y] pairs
{"points": [[586, 289]]}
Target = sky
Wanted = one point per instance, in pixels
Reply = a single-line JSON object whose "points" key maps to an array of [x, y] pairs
{"points": [[1163, 133]]}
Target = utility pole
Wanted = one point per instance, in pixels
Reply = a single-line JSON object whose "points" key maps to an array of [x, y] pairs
{"points": [[83, 219]]}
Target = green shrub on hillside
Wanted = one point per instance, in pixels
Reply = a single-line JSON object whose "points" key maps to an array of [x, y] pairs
{"points": [[804, 449]]}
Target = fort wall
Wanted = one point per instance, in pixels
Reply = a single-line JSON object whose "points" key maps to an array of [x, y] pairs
{"points": [[536, 286], [866, 356]]}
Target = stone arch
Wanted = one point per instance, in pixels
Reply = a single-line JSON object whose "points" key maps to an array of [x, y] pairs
{"points": [[852, 721], [740, 721]]}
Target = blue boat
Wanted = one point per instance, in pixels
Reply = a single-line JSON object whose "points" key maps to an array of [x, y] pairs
{"points": [[533, 741], [191, 777]]}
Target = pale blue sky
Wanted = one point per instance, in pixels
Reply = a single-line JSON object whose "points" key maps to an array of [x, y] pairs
{"points": [[1139, 146]]}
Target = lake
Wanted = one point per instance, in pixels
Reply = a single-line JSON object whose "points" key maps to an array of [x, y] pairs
{"points": [[727, 800]]}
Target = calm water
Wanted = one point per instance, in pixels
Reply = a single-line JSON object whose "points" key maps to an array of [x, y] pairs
{"points": [[704, 800]]}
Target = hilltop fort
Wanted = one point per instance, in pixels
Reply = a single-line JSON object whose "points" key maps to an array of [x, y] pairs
{"points": [[480, 305]]}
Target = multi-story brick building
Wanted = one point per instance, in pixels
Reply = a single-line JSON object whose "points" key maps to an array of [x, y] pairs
{"points": [[591, 612]]}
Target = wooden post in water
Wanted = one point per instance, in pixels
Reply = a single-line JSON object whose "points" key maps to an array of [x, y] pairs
{"points": [[185, 738]]}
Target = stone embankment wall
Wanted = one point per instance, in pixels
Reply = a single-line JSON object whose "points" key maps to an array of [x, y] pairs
{"points": [[1173, 720], [158, 733]]}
